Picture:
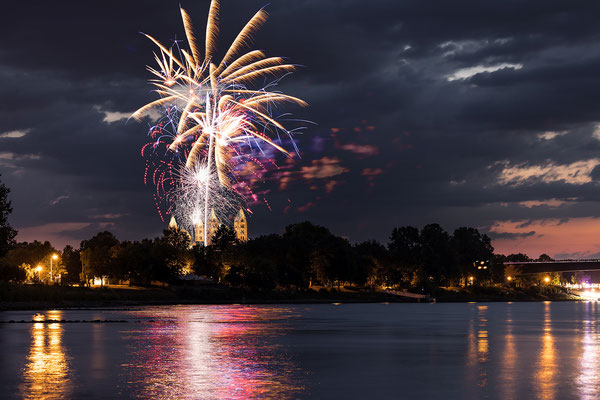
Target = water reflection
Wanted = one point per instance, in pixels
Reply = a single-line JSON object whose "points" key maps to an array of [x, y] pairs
{"points": [[589, 364], [482, 343], [359, 351], [478, 346], [509, 360], [482, 334], [46, 372], [546, 369], [229, 353]]}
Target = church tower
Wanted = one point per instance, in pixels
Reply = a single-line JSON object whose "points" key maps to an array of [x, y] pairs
{"points": [[173, 225], [213, 225], [199, 232], [241, 226]]}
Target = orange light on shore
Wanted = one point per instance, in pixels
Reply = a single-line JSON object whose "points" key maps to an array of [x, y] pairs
{"points": [[509, 278], [547, 279]]}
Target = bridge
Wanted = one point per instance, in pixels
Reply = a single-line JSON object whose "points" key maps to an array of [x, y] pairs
{"points": [[536, 267]]}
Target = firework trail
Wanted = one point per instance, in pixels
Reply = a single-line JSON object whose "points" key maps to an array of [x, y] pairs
{"points": [[213, 121]]}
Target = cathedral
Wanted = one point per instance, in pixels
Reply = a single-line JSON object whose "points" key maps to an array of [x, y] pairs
{"points": [[240, 227]]}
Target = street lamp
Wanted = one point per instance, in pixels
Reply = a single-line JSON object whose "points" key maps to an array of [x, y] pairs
{"points": [[54, 257], [547, 279], [39, 271]]}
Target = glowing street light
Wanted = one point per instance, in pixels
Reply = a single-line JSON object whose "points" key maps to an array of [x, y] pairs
{"points": [[509, 278], [547, 279], [39, 271]]}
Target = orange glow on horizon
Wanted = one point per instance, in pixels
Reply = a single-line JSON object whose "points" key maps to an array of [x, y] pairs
{"points": [[576, 237]]}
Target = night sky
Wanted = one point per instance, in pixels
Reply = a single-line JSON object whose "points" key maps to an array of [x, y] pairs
{"points": [[457, 112]]}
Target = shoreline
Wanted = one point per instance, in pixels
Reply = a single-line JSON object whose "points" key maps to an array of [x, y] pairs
{"points": [[33, 297]]}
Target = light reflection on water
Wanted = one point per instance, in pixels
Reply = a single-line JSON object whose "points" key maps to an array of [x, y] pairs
{"points": [[494, 350], [546, 370], [509, 360], [587, 381], [46, 374], [230, 353]]}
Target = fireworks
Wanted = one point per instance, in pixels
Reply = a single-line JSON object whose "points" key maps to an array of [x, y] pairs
{"points": [[213, 121]]}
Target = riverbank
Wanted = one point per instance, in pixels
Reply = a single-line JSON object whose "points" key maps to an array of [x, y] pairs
{"points": [[504, 293], [28, 297]]}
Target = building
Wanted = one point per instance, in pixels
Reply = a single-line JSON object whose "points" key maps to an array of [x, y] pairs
{"points": [[199, 232], [240, 227], [213, 226]]}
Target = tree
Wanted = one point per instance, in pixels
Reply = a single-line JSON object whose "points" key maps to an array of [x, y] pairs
{"points": [[96, 256], [174, 250], [134, 261], [439, 263], [302, 242], [405, 254], [12, 273], [266, 256], [470, 246], [33, 254], [518, 257], [224, 237], [72, 262], [373, 263], [206, 261], [7, 233]]}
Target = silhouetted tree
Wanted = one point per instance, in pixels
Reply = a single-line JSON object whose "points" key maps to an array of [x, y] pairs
{"points": [[405, 255], [7, 233], [304, 242], [224, 237], [373, 263], [136, 261], [518, 257], [470, 246], [264, 261], [439, 262], [72, 262], [333, 260], [174, 249], [206, 261], [96, 255]]}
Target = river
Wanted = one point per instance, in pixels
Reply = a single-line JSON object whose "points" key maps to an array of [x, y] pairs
{"points": [[541, 350]]}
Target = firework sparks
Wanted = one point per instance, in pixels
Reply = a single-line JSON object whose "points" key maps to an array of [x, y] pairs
{"points": [[213, 120]]}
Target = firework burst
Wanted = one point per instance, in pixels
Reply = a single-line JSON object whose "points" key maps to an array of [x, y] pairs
{"points": [[213, 122]]}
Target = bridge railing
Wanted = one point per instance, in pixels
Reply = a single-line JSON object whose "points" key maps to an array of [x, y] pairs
{"points": [[568, 260]]}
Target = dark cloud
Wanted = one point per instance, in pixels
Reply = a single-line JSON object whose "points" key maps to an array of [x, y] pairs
{"points": [[510, 235]]}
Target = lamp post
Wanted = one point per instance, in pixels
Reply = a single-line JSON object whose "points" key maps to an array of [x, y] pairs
{"points": [[39, 271], [54, 257]]}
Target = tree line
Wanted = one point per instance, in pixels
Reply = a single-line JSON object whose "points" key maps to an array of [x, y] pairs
{"points": [[304, 255]]}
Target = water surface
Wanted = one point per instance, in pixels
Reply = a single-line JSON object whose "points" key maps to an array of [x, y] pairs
{"points": [[432, 351]]}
